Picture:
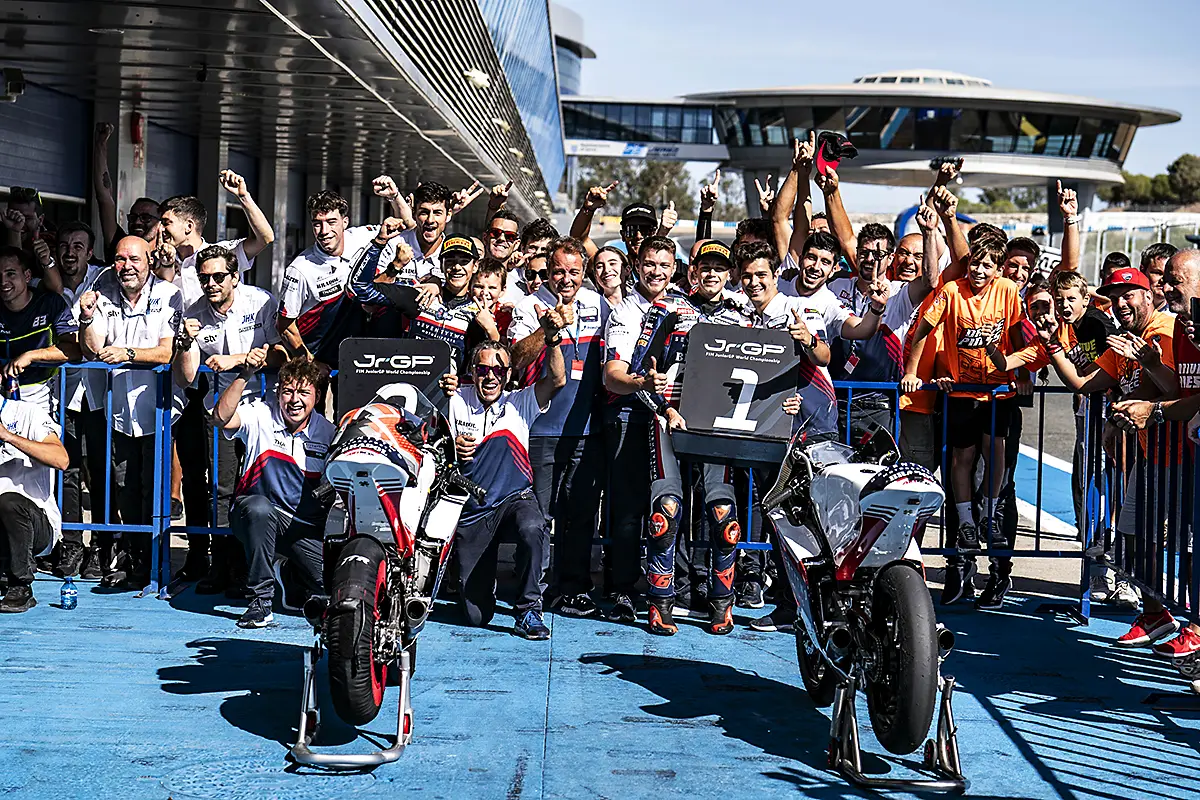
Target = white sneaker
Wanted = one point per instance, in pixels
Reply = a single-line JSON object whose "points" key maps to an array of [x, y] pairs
{"points": [[1125, 596]]}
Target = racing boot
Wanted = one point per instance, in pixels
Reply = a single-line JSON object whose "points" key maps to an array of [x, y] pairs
{"points": [[721, 621], [660, 618]]}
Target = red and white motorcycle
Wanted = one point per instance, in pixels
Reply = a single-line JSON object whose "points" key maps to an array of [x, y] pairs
{"points": [[393, 468], [849, 520]]}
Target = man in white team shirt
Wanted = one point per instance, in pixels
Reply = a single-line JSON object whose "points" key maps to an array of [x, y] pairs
{"points": [[30, 452], [219, 330], [129, 316], [314, 313]]}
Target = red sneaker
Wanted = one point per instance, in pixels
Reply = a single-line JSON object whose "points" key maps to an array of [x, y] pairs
{"points": [[1183, 645], [1148, 628]]}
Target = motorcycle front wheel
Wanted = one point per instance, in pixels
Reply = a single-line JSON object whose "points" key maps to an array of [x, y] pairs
{"points": [[819, 679], [356, 679], [901, 695]]}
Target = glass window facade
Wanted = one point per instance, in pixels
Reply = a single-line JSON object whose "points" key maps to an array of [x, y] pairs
{"points": [[633, 122], [570, 70], [962, 130], [520, 31]]}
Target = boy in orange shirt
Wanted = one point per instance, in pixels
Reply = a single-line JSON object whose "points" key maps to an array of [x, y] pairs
{"points": [[974, 313]]}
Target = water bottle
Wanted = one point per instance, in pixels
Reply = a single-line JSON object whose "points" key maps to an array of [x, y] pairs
{"points": [[69, 595]]}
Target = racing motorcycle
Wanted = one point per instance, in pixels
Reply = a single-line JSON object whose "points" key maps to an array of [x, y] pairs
{"points": [[849, 520], [398, 493]]}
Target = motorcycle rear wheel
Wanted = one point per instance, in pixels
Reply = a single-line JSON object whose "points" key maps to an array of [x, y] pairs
{"points": [[819, 680], [356, 679], [901, 696]]}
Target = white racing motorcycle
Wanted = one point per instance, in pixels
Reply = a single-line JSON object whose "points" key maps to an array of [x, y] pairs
{"points": [[849, 520], [392, 467]]}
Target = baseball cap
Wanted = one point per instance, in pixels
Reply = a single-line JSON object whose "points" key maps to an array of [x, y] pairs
{"points": [[460, 244], [714, 248], [1123, 279], [638, 212], [832, 147]]}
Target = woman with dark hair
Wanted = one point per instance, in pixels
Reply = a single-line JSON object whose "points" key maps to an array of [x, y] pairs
{"points": [[608, 270]]}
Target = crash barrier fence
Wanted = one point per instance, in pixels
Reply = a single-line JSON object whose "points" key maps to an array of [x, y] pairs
{"points": [[1150, 543]]}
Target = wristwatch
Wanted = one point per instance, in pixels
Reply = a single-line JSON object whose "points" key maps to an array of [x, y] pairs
{"points": [[553, 341], [1071, 220], [130, 352], [1156, 415]]}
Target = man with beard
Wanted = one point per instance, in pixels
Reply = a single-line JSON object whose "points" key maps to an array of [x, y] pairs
{"points": [[143, 217], [220, 330], [565, 445], [129, 316], [277, 515], [33, 321], [491, 435], [1181, 285], [313, 318], [1139, 361]]}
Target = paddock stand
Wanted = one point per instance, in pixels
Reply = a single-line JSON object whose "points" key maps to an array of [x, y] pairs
{"points": [[941, 754], [310, 720]]}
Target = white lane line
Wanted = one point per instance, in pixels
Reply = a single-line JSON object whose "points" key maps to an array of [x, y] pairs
{"points": [[1050, 523], [1046, 458]]}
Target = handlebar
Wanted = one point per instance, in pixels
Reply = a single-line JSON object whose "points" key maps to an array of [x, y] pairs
{"points": [[467, 485]]}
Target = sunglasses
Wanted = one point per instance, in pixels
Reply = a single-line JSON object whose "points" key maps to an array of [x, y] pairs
{"points": [[24, 194], [206, 278], [873, 255], [504, 236], [537, 274], [644, 230], [150, 218], [497, 371]]}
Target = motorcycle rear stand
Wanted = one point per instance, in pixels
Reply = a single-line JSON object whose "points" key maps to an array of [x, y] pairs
{"points": [[941, 754], [310, 720]]}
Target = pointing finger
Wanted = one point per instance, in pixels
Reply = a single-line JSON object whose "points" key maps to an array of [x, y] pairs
{"points": [[717, 178], [611, 186], [1059, 185]]}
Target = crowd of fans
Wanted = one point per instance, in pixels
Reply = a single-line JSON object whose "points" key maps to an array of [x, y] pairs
{"points": [[568, 363]]}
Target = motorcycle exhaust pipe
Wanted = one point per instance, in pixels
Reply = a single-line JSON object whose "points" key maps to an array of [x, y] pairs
{"points": [[416, 610], [840, 638], [945, 640]]}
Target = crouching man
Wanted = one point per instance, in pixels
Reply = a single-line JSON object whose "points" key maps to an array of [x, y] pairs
{"points": [[276, 515], [30, 452], [491, 435]]}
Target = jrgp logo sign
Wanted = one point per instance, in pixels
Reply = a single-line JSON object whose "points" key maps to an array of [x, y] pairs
{"points": [[747, 349], [398, 361]]}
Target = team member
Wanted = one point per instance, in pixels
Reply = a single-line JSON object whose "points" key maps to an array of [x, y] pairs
{"points": [[30, 453], [454, 317], [491, 434], [565, 447], [220, 330], [431, 211], [143, 217], [663, 341], [129, 316], [502, 235], [974, 313], [629, 423], [609, 270], [183, 223], [313, 317], [33, 320], [276, 515]]}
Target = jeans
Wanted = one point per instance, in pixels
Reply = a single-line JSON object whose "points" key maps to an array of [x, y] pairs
{"points": [[566, 479], [24, 533], [267, 533], [477, 545]]}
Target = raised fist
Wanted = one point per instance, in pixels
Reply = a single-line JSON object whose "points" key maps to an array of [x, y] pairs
{"points": [[385, 187], [234, 184]]}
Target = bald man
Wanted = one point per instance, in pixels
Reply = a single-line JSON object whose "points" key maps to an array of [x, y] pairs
{"points": [[128, 317]]}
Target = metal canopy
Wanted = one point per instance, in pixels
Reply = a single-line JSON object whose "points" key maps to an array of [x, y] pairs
{"points": [[317, 83]]}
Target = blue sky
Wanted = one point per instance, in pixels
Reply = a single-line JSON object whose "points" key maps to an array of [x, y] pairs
{"points": [[1143, 53]]}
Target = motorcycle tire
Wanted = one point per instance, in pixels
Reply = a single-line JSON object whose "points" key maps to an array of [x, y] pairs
{"points": [[356, 679], [902, 693], [819, 680]]}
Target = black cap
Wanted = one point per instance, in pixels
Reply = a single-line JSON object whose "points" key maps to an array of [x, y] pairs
{"points": [[460, 244], [714, 248], [638, 212]]}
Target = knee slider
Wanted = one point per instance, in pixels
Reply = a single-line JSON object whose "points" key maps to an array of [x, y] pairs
{"points": [[664, 520], [725, 523]]}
